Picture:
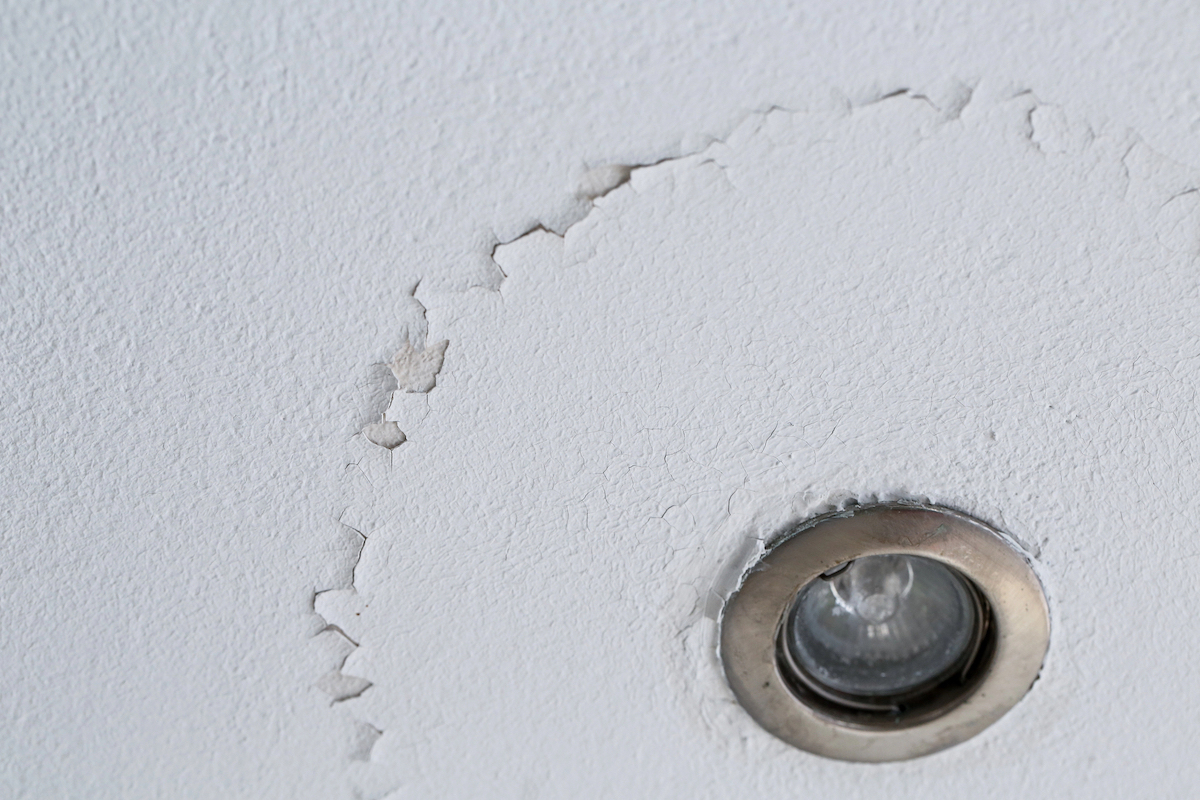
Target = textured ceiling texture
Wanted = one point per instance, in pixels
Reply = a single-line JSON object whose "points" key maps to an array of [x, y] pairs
{"points": [[395, 393]]}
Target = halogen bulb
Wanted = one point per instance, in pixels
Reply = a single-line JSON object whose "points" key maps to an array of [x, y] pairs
{"points": [[883, 626], [874, 588]]}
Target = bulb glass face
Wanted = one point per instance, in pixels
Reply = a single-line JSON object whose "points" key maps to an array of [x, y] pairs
{"points": [[881, 626]]}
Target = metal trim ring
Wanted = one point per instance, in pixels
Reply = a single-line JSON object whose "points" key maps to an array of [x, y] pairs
{"points": [[754, 614]]}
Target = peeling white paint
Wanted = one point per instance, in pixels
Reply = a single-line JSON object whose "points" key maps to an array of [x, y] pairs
{"points": [[341, 686], [602, 180], [215, 218], [416, 369], [974, 309], [386, 434]]}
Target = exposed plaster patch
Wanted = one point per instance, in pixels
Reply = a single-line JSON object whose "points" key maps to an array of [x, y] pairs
{"points": [[386, 434], [379, 383], [416, 369], [413, 371]]}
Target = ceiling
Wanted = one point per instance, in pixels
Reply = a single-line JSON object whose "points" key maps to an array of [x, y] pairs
{"points": [[702, 269]]}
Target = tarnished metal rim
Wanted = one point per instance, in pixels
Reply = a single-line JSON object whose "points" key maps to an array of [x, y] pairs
{"points": [[755, 612]]}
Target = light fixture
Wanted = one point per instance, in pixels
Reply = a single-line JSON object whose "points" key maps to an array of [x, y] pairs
{"points": [[884, 632]]}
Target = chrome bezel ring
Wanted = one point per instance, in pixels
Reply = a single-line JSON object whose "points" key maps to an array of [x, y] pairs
{"points": [[765, 684]]}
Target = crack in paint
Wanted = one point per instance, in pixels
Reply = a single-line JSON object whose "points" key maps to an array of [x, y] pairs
{"points": [[415, 369]]}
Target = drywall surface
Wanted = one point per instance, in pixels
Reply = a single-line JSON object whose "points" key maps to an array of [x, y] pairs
{"points": [[213, 219]]}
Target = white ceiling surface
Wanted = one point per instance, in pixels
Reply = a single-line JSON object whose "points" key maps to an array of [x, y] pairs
{"points": [[212, 218], [895, 302]]}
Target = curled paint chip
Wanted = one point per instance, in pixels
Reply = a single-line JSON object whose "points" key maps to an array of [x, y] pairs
{"points": [[341, 687], [602, 180], [365, 737]]}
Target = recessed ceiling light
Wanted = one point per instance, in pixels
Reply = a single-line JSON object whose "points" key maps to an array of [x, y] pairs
{"points": [[884, 632]]}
